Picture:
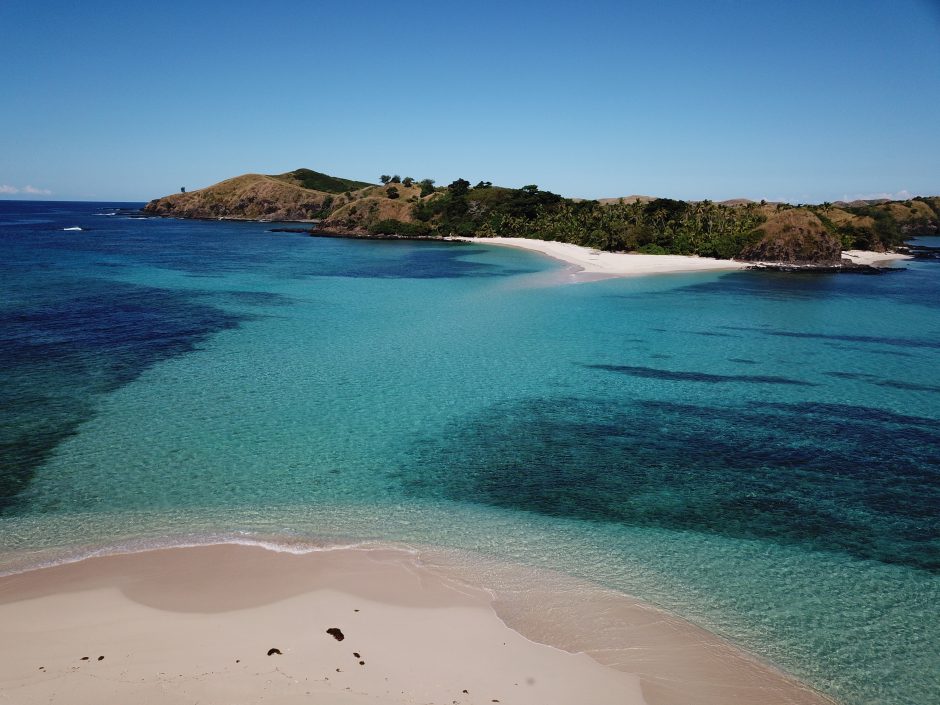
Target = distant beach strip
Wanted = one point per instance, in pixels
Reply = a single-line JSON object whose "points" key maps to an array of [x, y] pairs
{"points": [[618, 264]]}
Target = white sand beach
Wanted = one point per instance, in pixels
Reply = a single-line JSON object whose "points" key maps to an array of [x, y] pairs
{"points": [[874, 259], [620, 264], [195, 625], [614, 264]]}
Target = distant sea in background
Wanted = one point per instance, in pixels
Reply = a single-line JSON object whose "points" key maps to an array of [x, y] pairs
{"points": [[756, 452]]}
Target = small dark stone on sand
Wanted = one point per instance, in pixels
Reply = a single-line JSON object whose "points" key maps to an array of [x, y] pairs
{"points": [[362, 663], [42, 668], [356, 654], [101, 658], [271, 652], [238, 660], [336, 633], [84, 658], [466, 691], [337, 670]]}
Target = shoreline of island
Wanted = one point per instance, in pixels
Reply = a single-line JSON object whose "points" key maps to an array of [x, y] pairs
{"points": [[621, 264], [213, 621]]}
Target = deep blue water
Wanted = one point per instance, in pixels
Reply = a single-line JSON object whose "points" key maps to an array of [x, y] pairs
{"points": [[758, 452]]}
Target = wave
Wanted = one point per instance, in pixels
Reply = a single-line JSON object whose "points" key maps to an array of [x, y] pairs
{"points": [[280, 544]]}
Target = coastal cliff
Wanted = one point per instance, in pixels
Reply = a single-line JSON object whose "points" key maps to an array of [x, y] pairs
{"points": [[740, 229]]}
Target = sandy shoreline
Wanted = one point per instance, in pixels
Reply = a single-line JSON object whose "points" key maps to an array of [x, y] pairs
{"points": [[874, 259], [187, 625], [616, 264], [619, 264]]}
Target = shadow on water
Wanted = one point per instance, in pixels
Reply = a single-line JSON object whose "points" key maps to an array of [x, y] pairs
{"points": [[830, 477]]}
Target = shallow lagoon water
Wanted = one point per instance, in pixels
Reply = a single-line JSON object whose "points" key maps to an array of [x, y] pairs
{"points": [[758, 453]]}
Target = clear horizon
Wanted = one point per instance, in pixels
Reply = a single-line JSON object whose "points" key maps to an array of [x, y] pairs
{"points": [[807, 102]]}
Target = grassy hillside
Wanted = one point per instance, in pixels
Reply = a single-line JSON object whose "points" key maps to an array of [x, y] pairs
{"points": [[262, 197], [737, 228]]}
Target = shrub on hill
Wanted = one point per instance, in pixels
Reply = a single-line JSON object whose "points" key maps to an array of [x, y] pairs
{"points": [[397, 227], [427, 187], [323, 182]]}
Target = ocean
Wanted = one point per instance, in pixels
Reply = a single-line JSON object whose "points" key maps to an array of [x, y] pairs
{"points": [[756, 452]]}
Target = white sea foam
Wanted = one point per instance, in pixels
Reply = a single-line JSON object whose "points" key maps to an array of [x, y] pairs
{"points": [[297, 546], [72, 228]]}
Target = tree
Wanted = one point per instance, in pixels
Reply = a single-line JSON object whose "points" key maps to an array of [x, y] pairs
{"points": [[385, 178], [427, 187], [182, 189], [531, 188], [392, 192], [407, 181], [396, 179], [459, 188], [484, 184]]}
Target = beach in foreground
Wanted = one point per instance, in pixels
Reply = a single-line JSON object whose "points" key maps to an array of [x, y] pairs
{"points": [[197, 624]]}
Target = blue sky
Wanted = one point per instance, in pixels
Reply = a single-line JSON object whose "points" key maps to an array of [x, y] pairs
{"points": [[799, 101]]}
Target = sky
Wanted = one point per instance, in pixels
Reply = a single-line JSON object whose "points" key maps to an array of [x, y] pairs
{"points": [[802, 101]]}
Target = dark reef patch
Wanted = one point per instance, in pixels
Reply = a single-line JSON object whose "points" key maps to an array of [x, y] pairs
{"points": [[874, 339], [892, 383], [69, 343], [832, 477], [678, 376], [869, 351]]}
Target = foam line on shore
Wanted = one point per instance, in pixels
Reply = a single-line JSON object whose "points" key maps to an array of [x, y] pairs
{"points": [[292, 546]]}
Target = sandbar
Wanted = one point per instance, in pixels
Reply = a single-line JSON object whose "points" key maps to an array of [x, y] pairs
{"points": [[621, 264], [616, 264], [196, 624], [874, 259]]}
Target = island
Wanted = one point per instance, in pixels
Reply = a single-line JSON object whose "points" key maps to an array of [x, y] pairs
{"points": [[840, 236]]}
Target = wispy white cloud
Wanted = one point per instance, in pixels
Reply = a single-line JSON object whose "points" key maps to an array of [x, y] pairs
{"points": [[30, 190], [902, 195]]}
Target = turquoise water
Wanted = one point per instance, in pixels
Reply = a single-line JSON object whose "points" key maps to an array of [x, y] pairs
{"points": [[759, 453]]}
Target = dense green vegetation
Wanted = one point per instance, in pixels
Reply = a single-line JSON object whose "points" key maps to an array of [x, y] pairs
{"points": [[402, 229], [657, 227], [321, 182], [662, 225]]}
